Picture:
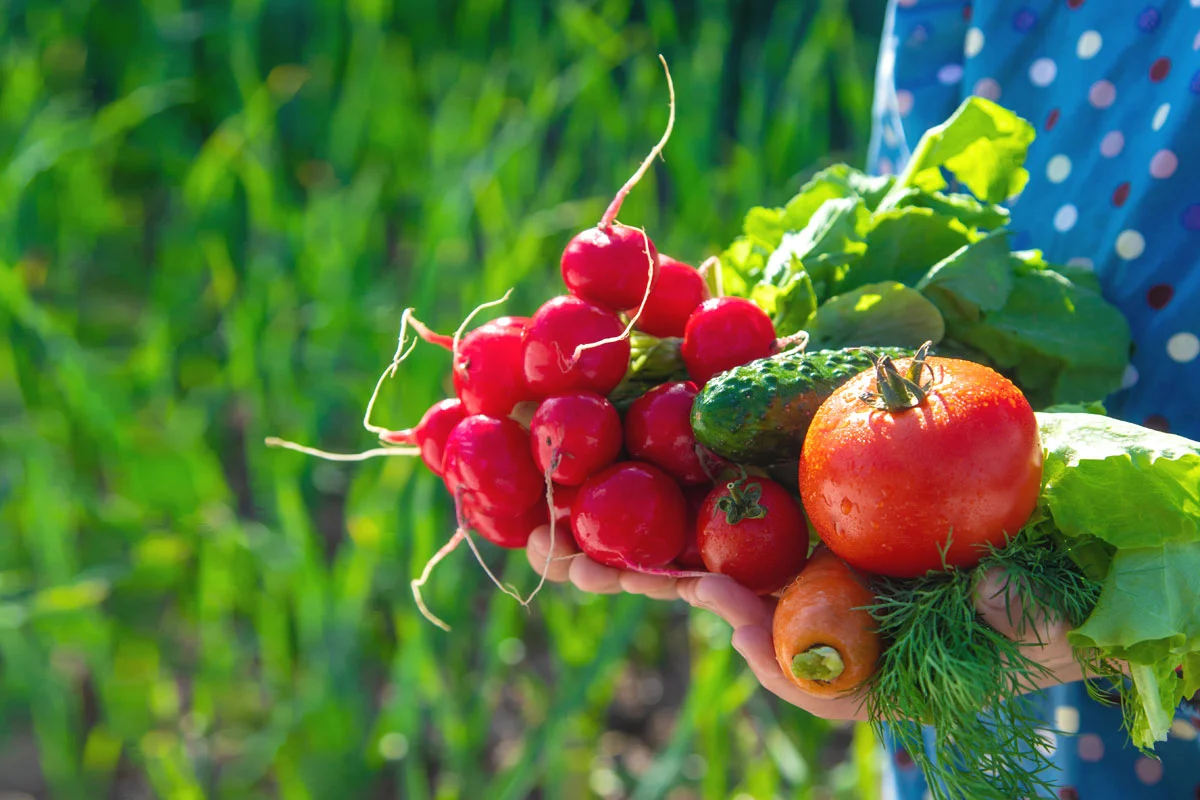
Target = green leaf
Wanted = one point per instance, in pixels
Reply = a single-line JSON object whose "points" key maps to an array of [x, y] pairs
{"points": [[765, 226], [1064, 342], [902, 245], [885, 313], [975, 279], [982, 144], [1148, 614], [1130, 486], [963, 207], [791, 305], [1150, 606], [832, 238]]}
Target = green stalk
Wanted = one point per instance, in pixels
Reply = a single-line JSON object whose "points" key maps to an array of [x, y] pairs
{"points": [[1148, 695]]}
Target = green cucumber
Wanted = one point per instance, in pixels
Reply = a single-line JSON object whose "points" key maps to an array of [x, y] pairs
{"points": [[759, 413]]}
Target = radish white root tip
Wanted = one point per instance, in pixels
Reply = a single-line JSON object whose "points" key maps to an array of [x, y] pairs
{"points": [[376, 452], [614, 207], [464, 528], [418, 583], [462, 329], [390, 371], [553, 465]]}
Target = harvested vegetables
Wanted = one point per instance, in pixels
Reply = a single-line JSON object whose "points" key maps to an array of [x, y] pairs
{"points": [[779, 354]]}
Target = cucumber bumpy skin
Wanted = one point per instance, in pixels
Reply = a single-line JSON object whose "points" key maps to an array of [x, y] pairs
{"points": [[759, 413]]}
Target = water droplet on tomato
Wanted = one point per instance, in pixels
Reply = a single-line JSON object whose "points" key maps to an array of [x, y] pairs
{"points": [[847, 506]]}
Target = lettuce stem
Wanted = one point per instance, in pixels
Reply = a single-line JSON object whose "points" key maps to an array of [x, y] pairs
{"points": [[1158, 720]]}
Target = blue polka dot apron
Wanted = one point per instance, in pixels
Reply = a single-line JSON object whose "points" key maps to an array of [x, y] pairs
{"points": [[1113, 88]]}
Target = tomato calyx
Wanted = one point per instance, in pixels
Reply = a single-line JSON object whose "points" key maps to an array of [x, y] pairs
{"points": [[742, 501], [896, 392]]}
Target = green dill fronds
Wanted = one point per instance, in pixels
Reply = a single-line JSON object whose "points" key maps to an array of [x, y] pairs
{"points": [[944, 666]]}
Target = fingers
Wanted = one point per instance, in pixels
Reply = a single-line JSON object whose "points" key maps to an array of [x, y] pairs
{"points": [[1044, 639], [589, 576], [560, 560], [658, 587], [728, 599], [755, 645]]}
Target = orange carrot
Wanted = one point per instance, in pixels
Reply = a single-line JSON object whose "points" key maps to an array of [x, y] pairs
{"points": [[825, 640]]}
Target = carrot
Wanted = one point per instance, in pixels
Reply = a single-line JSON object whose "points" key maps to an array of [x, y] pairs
{"points": [[825, 640]]}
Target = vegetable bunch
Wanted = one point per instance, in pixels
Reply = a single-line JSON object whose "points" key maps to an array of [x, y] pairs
{"points": [[870, 369]]}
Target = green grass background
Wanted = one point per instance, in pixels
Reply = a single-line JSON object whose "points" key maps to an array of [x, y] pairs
{"points": [[212, 215]]}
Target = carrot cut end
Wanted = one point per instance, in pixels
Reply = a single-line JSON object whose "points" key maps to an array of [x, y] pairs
{"points": [[821, 663]]}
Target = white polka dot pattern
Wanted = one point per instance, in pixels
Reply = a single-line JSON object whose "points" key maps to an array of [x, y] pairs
{"points": [[1130, 245], [1183, 347]]}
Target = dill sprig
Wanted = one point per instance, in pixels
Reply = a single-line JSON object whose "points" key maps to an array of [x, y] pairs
{"points": [[944, 666]]}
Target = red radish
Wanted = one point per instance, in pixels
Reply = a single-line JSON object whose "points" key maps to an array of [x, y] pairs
{"points": [[561, 325], [631, 515], [489, 459], [564, 496], [677, 290], [723, 333], [609, 265], [504, 530], [614, 265], [658, 429], [431, 433], [693, 497], [574, 435], [753, 531], [488, 374]]}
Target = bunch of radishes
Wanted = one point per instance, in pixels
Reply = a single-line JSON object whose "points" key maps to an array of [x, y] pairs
{"points": [[532, 439]]}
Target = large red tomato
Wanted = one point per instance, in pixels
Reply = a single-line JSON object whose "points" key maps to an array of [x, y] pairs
{"points": [[887, 488]]}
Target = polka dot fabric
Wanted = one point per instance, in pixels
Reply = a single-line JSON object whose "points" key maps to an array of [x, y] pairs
{"points": [[1113, 87], [1114, 91]]}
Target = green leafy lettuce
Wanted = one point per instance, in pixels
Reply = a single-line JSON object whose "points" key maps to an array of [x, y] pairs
{"points": [[1130, 497], [810, 263]]}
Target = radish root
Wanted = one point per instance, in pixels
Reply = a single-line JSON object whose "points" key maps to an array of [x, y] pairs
{"points": [[402, 353], [614, 208], [553, 465], [418, 583], [375, 452], [403, 349]]}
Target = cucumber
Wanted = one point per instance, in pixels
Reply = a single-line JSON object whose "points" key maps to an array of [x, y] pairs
{"points": [[759, 413]]}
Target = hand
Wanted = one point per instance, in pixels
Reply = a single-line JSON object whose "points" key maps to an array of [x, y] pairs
{"points": [[568, 564], [751, 618]]}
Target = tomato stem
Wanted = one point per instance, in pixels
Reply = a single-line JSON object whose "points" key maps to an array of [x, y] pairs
{"points": [[898, 392], [818, 663], [742, 501]]}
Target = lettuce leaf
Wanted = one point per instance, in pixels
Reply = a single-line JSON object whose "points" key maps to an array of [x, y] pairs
{"points": [[982, 144], [1130, 486], [1127, 499], [1047, 327]]}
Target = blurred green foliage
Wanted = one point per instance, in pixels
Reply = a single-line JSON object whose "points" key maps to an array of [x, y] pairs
{"points": [[212, 215]]}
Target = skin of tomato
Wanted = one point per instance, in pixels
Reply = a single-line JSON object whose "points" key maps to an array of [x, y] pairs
{"points": [[630, 514], [763, 554], [885, 490]]}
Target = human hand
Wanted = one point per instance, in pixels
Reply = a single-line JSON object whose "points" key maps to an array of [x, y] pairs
{"points": [[751, 618], [568, 564]]}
